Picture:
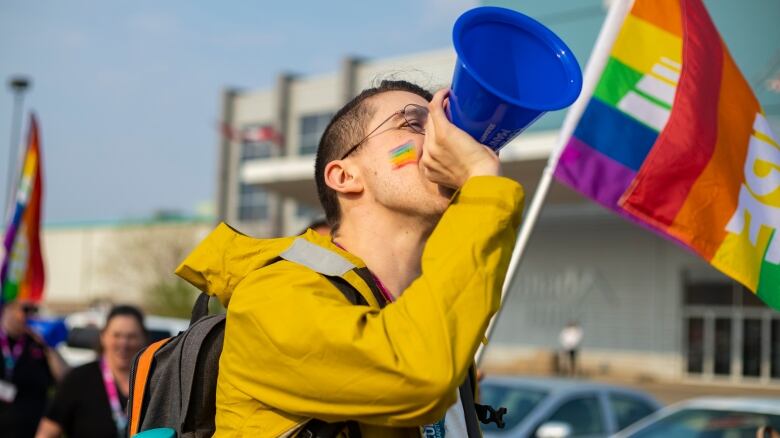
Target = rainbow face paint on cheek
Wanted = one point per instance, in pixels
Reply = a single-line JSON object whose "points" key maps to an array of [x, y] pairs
{"points": [[403, 155]]}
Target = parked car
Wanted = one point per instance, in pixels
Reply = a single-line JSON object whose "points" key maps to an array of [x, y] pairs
{"points": [[83, 335], [548, 407], [711, 417]]}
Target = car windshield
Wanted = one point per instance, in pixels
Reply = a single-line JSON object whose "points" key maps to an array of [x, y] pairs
{"points": [[518, 400], [708, 423]]}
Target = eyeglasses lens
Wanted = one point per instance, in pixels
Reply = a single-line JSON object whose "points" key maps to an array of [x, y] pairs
{"points": [[416, 116]]}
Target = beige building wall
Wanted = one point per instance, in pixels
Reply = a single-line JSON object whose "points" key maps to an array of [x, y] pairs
{"points": [[254, 107], [112, 262], [312, 96]]}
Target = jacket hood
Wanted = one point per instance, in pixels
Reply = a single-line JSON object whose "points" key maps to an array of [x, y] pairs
{"points": [[226, 256]]}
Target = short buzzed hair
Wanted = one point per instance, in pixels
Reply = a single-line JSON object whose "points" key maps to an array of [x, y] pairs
{"points": [[346, 128]]}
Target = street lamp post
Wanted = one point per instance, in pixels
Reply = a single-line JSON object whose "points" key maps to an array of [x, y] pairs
{"points": [[18, 85]]}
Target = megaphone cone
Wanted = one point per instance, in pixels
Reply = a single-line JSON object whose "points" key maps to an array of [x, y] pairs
{"points": [[510, 70]]}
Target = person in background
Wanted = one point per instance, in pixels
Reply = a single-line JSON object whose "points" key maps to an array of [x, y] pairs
{"points": [[28, 369], [571, 339], [92, 399]]}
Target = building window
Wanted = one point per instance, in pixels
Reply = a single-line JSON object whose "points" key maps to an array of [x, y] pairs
{"points": [[720, 294], [312, 127], [729, 332], [258, 141], [252, 203], [253, 150]]}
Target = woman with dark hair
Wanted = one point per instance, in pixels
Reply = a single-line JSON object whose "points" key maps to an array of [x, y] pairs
{"points": [[92, 398]]}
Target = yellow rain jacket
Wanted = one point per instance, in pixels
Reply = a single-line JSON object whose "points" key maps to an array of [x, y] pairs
{"points": [[295, 348]]}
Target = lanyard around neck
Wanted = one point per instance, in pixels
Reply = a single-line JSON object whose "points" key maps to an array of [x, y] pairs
{"points": [[11, 356], [382, 289], [120, 418]]}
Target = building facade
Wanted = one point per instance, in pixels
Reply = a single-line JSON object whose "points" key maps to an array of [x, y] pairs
{"points": [[114, 262], [648, 307]]}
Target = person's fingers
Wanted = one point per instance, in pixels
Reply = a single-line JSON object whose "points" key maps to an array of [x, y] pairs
{"points": [[431, 150], [436, 105], [430, 134], [425, 158], [436, 114]]}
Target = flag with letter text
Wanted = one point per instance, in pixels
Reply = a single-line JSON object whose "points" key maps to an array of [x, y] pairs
{"points": [[674, 138]]}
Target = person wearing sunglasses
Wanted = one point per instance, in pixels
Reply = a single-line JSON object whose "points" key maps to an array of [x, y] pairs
{"points": [[28, 371], [423, 228]]}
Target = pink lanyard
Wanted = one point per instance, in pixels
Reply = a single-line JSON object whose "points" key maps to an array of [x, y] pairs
{"points": [[383, 289], [120, 418], [11, 356]]}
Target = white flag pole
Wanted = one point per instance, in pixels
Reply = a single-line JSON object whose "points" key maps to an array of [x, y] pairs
{"points": [[598, 59]]}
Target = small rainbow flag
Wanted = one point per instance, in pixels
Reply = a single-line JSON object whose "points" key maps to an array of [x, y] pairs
{"points": [[674, 138], [22, 274], [403, 155]]}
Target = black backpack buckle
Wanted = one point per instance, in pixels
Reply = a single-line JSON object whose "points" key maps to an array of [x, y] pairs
{"points": [[487, 415]]}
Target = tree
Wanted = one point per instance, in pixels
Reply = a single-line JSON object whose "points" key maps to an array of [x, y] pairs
{"points": [[140, 260]]}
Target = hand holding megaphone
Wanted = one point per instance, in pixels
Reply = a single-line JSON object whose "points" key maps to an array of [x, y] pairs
{"points": [[450, 156], [510, 70]]}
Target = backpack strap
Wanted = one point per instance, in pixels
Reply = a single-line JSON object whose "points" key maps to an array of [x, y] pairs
{"points": [[320, 429], [317, 258], [207, 329], [467, 391], [201, 308], [485, 413], [140, 379], [350, 293], [368, 278], [333, 266]]}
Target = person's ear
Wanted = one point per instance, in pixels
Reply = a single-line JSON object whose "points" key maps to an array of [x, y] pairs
{"points": [[343, 177]]}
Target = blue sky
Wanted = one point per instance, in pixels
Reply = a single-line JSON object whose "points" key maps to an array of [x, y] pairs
{"points": [[127, 92]]}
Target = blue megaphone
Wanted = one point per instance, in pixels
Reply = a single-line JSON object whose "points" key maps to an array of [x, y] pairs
{"points": [[510, 70]]}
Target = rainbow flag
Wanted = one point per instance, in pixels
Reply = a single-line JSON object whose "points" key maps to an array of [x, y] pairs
{"points": [[674, 139], [22, 274]]}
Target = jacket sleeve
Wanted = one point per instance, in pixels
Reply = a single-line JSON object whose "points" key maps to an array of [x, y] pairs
{"points": [[293, 342]]}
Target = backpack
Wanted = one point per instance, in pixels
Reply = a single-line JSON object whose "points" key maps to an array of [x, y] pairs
{"points": [[173, 382]]}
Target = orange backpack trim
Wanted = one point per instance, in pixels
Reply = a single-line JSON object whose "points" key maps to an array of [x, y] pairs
{"points": [[139, 388]]}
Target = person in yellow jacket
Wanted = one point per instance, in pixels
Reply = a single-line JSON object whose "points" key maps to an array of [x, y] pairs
{"points": [[420, 214]]}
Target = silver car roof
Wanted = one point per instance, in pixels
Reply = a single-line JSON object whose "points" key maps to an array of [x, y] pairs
{"points": [[764, 405]]}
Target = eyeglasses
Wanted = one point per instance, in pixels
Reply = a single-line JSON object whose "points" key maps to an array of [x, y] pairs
{"points": [[414, 117], [30, 309]]}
